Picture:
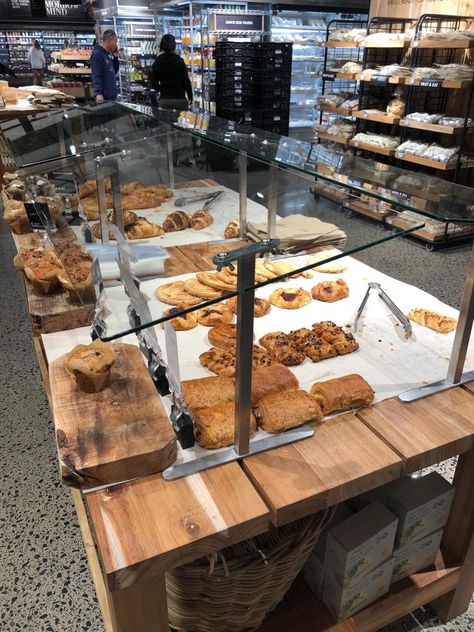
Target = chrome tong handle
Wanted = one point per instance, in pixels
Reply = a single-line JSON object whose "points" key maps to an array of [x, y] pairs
{"points": [[399, 315]]}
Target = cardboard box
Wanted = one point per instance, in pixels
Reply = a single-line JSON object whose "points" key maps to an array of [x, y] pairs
{"points": [[314, 567], [379, 494], [422, 506], [344, 602], [360, 543], [415, 556]]}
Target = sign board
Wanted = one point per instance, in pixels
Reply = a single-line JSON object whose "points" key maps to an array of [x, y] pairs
{"points": [[379, 80], [415, 8], [328, 75], [432, 84], [231, 22], [142, 30], [11, 9]]}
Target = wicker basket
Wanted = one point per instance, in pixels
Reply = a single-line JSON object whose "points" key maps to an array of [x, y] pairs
{"points": [[234, 589]]}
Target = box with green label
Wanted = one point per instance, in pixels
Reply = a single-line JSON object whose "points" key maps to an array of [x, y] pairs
{"points": [[360, 543], [422, 506], [345, 601], [415, 556]]}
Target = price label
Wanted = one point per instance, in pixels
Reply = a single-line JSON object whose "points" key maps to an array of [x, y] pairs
{"points": [[329, 76], [355, 182], [379, 80], [400, 194], [432, 84]]}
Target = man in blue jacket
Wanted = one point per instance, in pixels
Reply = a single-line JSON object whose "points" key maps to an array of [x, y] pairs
{"points": [[105, 66]]}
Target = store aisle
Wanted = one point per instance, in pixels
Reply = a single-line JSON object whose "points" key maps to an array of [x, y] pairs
{"points": [[45, 584]]}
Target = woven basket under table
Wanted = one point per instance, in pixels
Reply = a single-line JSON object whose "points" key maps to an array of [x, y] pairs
{"points": [[234, 589]]}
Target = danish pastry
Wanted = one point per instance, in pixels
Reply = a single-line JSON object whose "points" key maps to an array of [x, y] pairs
{"points": [[290, 298], [219, 314], [223, 336], [330, 291], [260, 306], [194, 287], [346, 343], [178, 220], [282, 411], [317, 349], [433, 320], [232, 230], [214, 426], [281, 348], [183, 322], [342, 393], [200, 219], [217, 360], [174, 294], [142, 229]]}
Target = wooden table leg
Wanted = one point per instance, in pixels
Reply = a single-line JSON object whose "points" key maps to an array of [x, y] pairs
{"points": [[142, 607], [458, 540]]}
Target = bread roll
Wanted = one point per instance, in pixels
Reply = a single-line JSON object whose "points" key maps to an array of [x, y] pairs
{"points": [[214, 426], [208, 391], [270, 380], [342, 393], [281, 411]]}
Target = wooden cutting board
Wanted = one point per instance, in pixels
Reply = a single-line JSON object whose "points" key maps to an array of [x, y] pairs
{"points": [[120, 433]]}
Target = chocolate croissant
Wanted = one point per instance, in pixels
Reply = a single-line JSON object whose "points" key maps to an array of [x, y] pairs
{"points": [[282, 411], [178, 220], [342, 393], [142, 229], [200, 219]]}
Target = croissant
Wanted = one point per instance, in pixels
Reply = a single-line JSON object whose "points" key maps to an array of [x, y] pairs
{"points": [[144, 198], [90, 206], [128, 218], [143, 229], [232, 230], [90, 187], [178, 220], [200, 219], [96, 231]]}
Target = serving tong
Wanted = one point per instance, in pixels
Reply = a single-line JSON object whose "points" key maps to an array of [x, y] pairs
{"points": [[399, 315], [190, 199]]}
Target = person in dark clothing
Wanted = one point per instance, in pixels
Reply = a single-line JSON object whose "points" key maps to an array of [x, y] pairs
{"points": [[105, 66], [169, 77]]}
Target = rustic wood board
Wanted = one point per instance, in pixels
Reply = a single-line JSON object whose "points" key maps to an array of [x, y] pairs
{"points": [[425, 431], [117, 434], [341, 460], [150, 525]]}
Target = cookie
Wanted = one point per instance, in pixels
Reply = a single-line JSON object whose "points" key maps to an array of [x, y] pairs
{"points": [[183, 322], [174, 294], [260, 306], [290, 298], [194, 287], [219, 314]]}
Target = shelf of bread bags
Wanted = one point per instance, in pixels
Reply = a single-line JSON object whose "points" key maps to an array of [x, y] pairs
{"points": [[392, 80], [433, 230], [335, 110], [333, 138], [434, 127], [370, 209], [65, 70], [331, 191], [451, 84], [348, 76], [426, 162], [460, 43], [377, 116], [376, 149], [340, 44]]}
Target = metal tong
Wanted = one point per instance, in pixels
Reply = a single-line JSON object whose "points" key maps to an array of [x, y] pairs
{"points": [[210, 197], [399, 315]]}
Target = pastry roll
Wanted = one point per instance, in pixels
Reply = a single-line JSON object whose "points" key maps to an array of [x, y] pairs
{"points": [[142, 229], [342, 393], [200, 219], [208, 391], [178, 220], [282, 411], [214, 426], [433, 320], [270, 380]]}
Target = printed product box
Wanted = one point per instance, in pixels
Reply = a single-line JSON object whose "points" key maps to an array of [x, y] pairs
{"points": [[421, 505], [345, 601], [314, 567], [415, 556], [360, 543]]}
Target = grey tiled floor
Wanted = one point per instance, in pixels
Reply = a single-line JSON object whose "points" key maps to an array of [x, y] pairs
{"points": [[44, 580]]}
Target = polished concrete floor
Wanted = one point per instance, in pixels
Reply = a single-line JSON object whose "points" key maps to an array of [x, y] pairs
{"points": [[45, 584]]}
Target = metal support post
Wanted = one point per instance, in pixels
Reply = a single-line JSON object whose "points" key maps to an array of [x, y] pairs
{"points": [[99, 176], [272, 202], [455, 375], [169, 152], [117, 199], [244, 349], [243, 193]]}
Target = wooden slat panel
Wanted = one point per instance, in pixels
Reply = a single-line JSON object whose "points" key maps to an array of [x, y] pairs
{"points": [[425, 431], [149, 525], [343, 458]]}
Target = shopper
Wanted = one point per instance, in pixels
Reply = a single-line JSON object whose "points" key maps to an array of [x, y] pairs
{"points": [[169, 77], [37, 61], [105, 66]]}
